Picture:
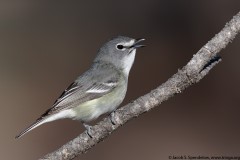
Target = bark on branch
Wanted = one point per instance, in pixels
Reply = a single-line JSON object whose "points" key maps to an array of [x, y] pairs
{"points": [[198, 67]]}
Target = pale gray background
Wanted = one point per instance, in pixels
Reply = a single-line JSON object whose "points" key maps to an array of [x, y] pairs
{"points": [[45, 45]]}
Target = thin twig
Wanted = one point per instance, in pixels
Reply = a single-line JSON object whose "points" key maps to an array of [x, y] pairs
{"points": [[198, 67]]}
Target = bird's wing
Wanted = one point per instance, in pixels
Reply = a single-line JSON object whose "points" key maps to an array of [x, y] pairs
{"points": [[80, 92], [98, 81]]}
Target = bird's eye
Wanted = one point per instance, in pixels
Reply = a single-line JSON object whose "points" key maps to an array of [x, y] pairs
{"points": [[120, 47]]}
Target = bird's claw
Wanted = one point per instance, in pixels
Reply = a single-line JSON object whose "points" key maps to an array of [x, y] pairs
{"points": [[88, 130], [112, 118]]}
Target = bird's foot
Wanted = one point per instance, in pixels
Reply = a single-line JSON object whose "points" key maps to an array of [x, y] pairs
{"points": [[112, 118], [88, 130]]}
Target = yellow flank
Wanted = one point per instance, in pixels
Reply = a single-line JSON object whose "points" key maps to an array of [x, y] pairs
{"points": [[93, 109]]}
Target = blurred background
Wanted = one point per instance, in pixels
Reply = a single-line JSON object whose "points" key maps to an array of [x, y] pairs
{"points": [[45, 45]]}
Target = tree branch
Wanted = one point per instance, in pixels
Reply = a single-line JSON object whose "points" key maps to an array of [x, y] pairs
{"points": [[198, 67]]}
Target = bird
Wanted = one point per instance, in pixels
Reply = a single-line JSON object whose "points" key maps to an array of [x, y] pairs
{"points": [[99, 90]]}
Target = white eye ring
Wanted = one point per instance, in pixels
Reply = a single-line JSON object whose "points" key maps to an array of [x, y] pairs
{"points": [[120, 47]]}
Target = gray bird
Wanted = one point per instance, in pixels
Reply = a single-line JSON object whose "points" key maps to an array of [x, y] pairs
{"points": [[99, 90]]}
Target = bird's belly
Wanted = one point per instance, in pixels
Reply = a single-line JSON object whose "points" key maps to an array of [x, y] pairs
{"points": [[93, 109]]}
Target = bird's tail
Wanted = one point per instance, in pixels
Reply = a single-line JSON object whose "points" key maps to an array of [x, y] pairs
{"points": [[31, 127]]}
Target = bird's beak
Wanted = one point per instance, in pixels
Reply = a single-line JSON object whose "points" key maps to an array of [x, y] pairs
{"points": [[137, 45]]}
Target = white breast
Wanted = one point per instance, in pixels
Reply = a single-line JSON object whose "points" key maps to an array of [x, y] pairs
{"points": [[128, 62]]}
